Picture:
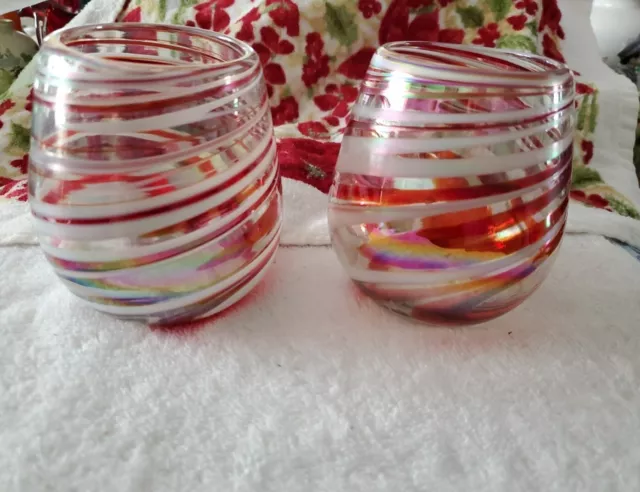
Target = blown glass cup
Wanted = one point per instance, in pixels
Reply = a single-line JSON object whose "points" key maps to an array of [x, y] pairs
{"points": [[153, 178], [451, 191]]}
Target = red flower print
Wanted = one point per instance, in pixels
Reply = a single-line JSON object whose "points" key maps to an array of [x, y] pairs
{"points": [[332, 120], [355, 67], [316, 65], [424, 27], [587, 151], [286, 15], [211, 14], [593, 200], [444, 3], [29, 105], [517, 21], [272, 45], [338, 99], [134, 15], [220, 20], [6, 105], [271, 39], [551, 17], [488, 35], [397, 26], [21, 164], [314, 45], [310, 161], [453, 36], [530, 6], [417, 5], [341, 110], [12, 188], [221, 4], [326, 102], [246, 31], [313, 129], [285, 112], [582, 88], [597, 201], [263, 52], [369, 8], [349, 93], [395, 23], [274, 74], [550, 49], [578, 194]]}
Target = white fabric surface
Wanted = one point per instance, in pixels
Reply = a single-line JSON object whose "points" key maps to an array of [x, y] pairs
{"points": [[11, 5], [617, 102], [308, 387], [615, 23]]}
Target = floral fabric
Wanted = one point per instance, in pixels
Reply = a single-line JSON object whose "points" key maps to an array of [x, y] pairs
{"points": [[314, 54]]}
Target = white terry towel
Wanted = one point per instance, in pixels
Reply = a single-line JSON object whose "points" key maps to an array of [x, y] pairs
{"points": [[306, 386]]}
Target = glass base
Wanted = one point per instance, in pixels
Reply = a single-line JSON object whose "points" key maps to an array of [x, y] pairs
{"points": [[205, 308], [452, 318], [458, 310]]}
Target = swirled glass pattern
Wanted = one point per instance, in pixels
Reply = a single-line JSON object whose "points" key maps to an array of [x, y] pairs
{"points": [[153, 177], [451, 191]]}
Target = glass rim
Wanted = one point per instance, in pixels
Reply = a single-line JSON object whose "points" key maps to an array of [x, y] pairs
{"points": [[59, 41], [557, 73]]}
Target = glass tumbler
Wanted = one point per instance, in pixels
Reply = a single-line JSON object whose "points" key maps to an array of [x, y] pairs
{"points": [[451, 191], [153, 178]]}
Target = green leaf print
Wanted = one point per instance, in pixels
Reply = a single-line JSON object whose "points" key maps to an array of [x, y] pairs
{"points": [[341, 24], [533, 27], [20, 137], [471, 16], [593, 114], [162, 9], [517, 42], [582, 113], [584, 176], [622, 207], [500, 8], [8, 61], [6, 79], [178, 16]]}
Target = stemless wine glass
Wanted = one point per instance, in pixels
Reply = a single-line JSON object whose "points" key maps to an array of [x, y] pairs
{"points": [[451, 194], [153, 178]]}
